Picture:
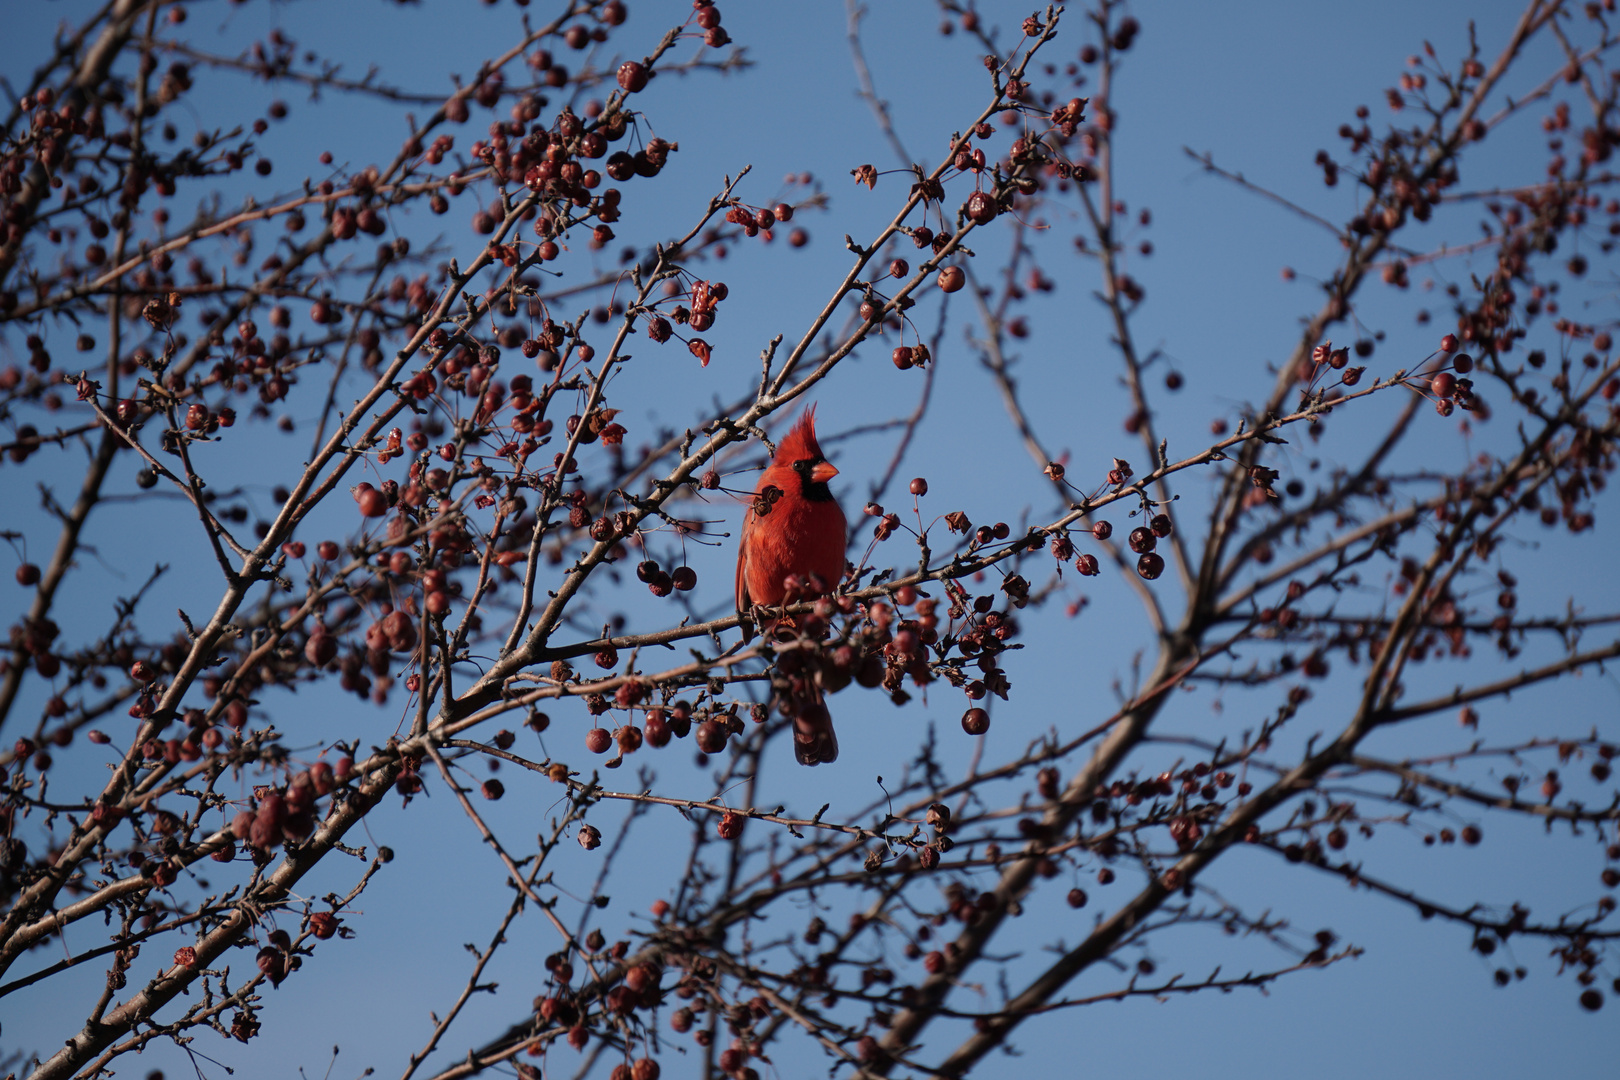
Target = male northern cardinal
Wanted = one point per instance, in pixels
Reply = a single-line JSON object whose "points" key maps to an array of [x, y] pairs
{"points": [[801, 534]]}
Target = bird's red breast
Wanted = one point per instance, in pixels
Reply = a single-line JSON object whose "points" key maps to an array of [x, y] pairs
{"points": [[803, 532]]}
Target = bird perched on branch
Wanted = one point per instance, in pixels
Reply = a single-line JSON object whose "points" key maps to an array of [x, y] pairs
{"points": [[793, 549]]}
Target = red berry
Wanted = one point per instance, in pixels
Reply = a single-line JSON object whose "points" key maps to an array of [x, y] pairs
{"points": [[632, 76], [27, 575], [711, 736], [951, 279], [975, 721], [372, 502], [597, 740], [656, 728]]}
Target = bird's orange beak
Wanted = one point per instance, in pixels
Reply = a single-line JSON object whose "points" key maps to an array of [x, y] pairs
{"points": [[822, 473]]}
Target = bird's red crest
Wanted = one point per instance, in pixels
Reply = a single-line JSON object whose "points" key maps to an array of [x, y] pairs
{"points": [[799, 444]]}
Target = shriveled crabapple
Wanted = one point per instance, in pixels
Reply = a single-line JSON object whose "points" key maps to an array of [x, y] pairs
{"points": [[981, 208], [598, 740]]}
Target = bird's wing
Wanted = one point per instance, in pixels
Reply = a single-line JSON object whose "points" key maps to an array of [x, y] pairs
{"points": [[743, 601]]}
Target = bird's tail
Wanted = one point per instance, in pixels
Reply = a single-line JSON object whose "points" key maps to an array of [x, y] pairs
{"points": [[797, 694], [814, 741]]}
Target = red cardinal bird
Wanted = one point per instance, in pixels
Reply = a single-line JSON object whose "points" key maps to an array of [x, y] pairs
{"points": [[802, 533]]}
